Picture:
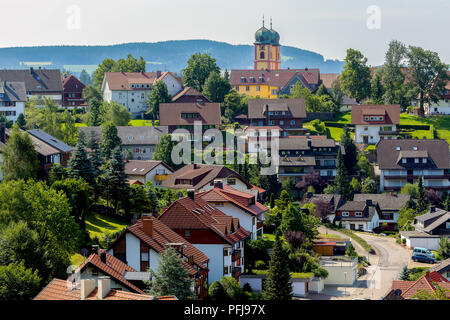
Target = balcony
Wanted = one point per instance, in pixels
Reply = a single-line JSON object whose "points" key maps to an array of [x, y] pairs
{"points": [[237, 271], [259, 225], [161, 177], [236, 255]]}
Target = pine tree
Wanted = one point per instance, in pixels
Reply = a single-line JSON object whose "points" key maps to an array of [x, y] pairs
{"points": [[115, 186], [171, 278], [95, 154], [154, 201], [110, 141], [272, 201], [351, 252], [405, 274], [79, 164], [341, 180], [292, 220], [278, 284], [422, 201], [350, 157], [21, 122]]}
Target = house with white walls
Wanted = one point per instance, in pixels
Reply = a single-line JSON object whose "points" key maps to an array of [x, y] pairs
{"points": [[218, 235], [154, 171], [131, 89], [140, 246], [13, 96], [237, 204], [375, 122], [442, 106]]}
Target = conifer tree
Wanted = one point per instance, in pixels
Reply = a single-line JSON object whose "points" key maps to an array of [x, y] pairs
{"points": [[95, 155], [278, 284], [341, 180], [405, 274], [171, 278], [272, 201], [79, 164], [422, 201], [110, 141], [115, 186]]}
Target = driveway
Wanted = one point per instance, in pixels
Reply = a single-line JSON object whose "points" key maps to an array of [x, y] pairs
{"points": [[386, 265]]}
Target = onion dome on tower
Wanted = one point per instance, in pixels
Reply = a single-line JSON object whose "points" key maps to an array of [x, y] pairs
{"points": [[263, 35], [275, 37]]}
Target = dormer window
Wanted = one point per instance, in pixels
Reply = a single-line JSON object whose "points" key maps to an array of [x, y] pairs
{"points": [[424, 160], [243, 79], [358, 214], [397, 148], [404, 160], [416, 160], [415, 148]]}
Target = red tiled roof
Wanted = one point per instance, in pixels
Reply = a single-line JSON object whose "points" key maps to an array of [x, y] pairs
{"points": [[276, 78], [391, 113], [188, 214], [123, 80], [113, 267], [57, 289], [170, 113], [188, 91], [162, 235], [328, 78], [427, 282], [141, 167], [238, 198]]}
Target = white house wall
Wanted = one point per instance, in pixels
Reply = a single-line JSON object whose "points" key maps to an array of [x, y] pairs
{"points": [[217, 261], [133, 250], [245, 219]]}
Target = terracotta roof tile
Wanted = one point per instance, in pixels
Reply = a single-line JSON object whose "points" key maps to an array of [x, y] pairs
{"points": [[391, 114]]}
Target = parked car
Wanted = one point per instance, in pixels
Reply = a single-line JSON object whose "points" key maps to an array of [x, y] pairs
{"points": [[421, 257], [423, 251]]}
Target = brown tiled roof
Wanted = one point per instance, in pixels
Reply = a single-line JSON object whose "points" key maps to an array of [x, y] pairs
{"points": [[275, 78], [256, 107], [170, 113], [388, 155], [188, 214], [113, 268], [188, 91], [238, 198], [123, 80], [142, 167], [162, 235], [57, 289], [328, 78], [391, 114], [205, 173], [38, 80], [39, 146]]}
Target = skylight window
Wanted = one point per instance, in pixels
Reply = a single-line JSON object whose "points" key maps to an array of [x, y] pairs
{"points": [[397, 148], [414, 148]]}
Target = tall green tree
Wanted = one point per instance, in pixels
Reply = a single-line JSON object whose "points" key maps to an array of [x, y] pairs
{"points": [[322, 90], [392, 75], [79, 164], [94, 99], [19, 159], [336, 92], [163, 151], [171, 277], [110, 140], [355, 78], [198, 69], [130, 64], [216, 87], [85, 78], [159, 94], [115, 113], [69, 130], [278, 283], [376, 88], [21, 122], [18, 283], [422, 200], [341, 181], [428, 75], [99, 73], [351, 153]]}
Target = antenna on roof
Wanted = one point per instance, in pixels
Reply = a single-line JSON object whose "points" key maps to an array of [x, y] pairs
{"points": [[263, 20], [270, 22]]}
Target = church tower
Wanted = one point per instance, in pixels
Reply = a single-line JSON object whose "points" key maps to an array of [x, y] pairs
{"points": [[267, 49]]}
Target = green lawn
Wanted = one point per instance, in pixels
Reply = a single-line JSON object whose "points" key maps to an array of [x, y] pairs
{"points": [[301, 275], [97, 225], [441, 125], [331, 236], [140, 123]]}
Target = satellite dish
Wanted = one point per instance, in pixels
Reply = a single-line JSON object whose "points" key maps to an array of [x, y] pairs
{"points": [[398, 292]]}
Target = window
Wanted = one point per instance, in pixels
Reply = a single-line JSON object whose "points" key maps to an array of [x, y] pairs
{"points": [[218, 204], [292, 122], [247, 88], [261, 55], [404, 160], [361, 227], [225, 270], [271, 122], [144, 256], [416, 160], [358, 214], [345, 213], [424, 160], [258, 88], [231, 181], [187, 233], [447, 225], [225, 252], [281, 122]]}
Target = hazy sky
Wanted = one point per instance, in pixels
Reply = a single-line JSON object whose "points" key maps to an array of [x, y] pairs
{"points": [[328, 27]]}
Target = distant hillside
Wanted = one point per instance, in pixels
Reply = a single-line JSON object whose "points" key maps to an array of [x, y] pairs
{"points": [[167, 55]]}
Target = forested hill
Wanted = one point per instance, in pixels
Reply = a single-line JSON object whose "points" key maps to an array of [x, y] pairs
{"points": [[167, 55]]}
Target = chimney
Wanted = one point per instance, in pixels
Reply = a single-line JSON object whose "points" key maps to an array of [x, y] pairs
{"points": [[31, 70], [3, 132], [104, 286], [309, 142], [266, 108], [103, 257], [369, 202], [433, 209], [87, 286], [218, 184], [147, 224], [158, 74], [191, 194], [95, 248], [196, 166]]}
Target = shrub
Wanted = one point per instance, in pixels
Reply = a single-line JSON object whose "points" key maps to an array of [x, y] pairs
{"points": [[260, 264]]}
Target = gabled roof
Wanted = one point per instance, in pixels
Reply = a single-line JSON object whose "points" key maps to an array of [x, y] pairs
{"points": [[276, 78], [368, 210], [188, 91], [170, 113], [333, 199], [36, 80], [385, 201], [124, 80], [57, 289], [12, 91], [40, 146], [162, 236], [391, 114], [186, 213], [427, 282], [113, 268], [388, 153], [142, 167], [130, 135], [444, 265], [52, 141], [257, 107], [201, 174], [72, 83], [235, 197]]}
